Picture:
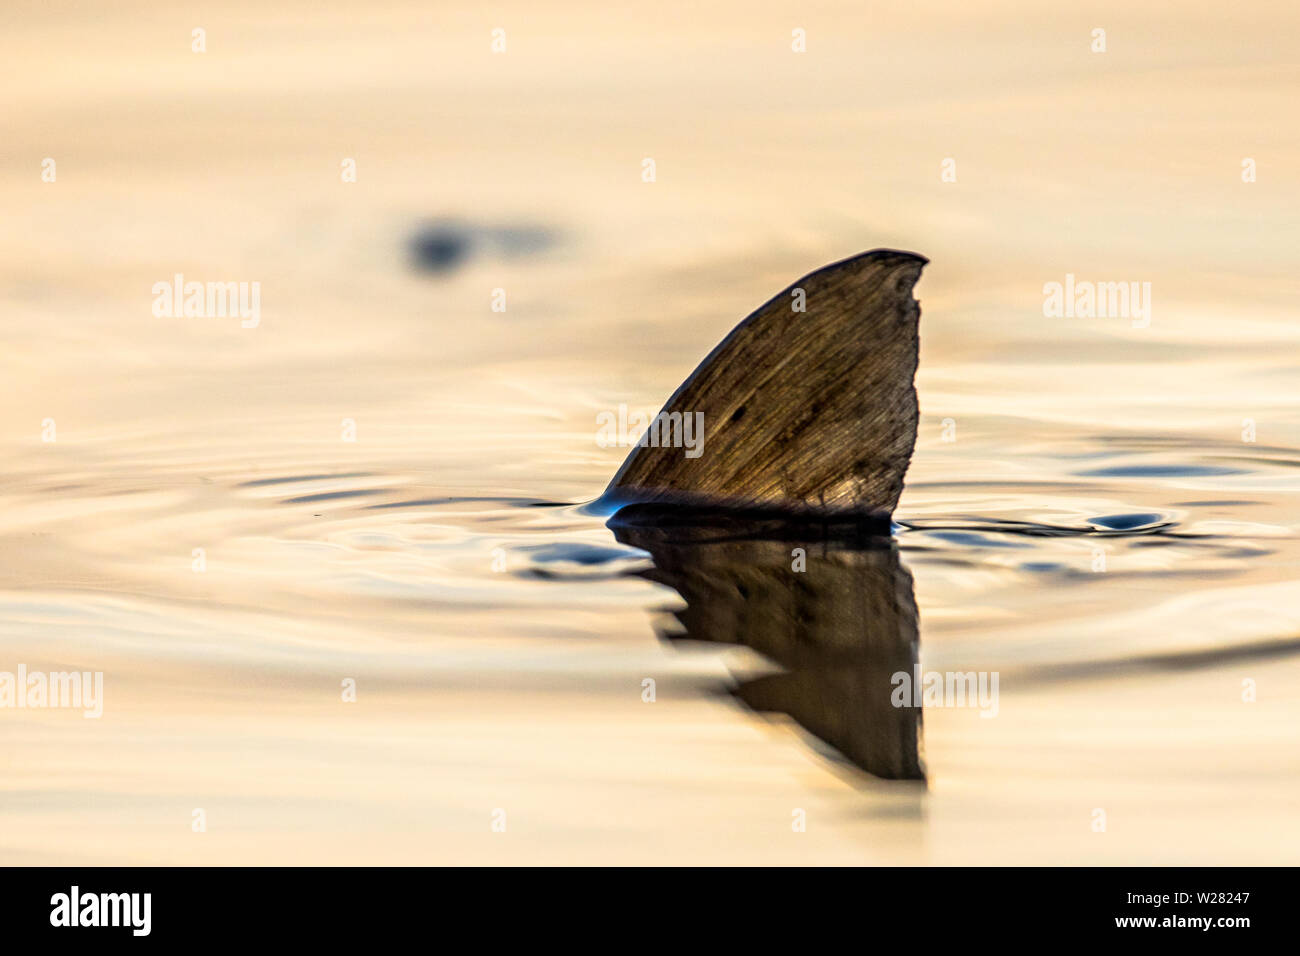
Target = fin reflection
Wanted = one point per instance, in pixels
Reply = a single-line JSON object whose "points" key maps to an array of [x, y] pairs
{"points": [[840, 628]]}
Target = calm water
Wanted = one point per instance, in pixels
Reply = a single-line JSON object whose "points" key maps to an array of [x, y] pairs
{"points": [[1082, 514]]}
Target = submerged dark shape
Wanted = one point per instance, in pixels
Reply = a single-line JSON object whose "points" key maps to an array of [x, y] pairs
{"points": [[440, 248], [804, 412], [840, 628], [444, 246]]}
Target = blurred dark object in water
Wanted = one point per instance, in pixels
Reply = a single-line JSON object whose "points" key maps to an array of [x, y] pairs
{"points": [[439, 249], [444, 246], [840, 628]]}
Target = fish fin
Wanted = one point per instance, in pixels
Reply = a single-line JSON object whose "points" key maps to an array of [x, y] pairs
{"points": [[803, 411]]}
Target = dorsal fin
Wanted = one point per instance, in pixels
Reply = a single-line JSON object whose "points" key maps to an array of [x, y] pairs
{"points": [[803, 411]]}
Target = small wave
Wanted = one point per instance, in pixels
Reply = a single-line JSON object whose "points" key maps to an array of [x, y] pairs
{"points": [[1116, 525], [1161, 471]]}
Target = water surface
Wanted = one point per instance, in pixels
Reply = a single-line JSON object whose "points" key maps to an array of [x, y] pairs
{"points": [[1082, 514]]}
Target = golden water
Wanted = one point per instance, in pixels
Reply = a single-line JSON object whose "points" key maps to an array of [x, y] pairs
{"points": [[521, 689]]}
